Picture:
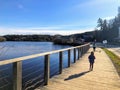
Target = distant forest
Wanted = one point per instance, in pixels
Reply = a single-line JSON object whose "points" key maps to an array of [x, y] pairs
{"points": [[105, 30], [2, 39], [108, 30], [28, 37]]}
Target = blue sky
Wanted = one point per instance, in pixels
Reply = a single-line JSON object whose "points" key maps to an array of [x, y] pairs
{"points": [[53, 16]]}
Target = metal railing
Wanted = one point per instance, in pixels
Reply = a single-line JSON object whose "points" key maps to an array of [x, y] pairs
{"points": [[17, 63]]}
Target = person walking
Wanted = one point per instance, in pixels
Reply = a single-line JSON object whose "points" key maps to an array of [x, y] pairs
{"points": [[91, 58], [94, 46]]}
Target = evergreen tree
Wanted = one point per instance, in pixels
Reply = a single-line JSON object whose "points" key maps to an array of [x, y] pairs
{"points": [[100, 23]]}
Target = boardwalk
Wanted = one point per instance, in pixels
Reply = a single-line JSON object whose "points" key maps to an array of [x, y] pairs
{"points": [[77, 77]]}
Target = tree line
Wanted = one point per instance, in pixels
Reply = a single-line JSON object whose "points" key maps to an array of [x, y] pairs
{"points": [[2, 39], [108, 30], [28, 37]]}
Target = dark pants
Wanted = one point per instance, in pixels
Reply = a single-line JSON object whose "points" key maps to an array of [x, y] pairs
{"points": [[91, 66], [94, 48]]}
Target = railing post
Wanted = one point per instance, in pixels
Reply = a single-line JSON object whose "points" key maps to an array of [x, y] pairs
{"points": [[83, 49], [60, 62], [88, 47], [78, 53], [46, 69], [17, 75], [74, 55], [69, 57]]}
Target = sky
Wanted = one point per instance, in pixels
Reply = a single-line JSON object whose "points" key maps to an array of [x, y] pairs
{"points": [[54, 16]]}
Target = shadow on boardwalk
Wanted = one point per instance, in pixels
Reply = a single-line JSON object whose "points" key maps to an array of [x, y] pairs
{"points": [[76, 75]]}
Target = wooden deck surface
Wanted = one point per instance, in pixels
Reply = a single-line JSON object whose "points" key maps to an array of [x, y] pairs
{"points": [[78, 76]]}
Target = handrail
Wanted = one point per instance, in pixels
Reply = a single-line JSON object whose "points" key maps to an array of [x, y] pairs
{"points": [[4, 62], [17, 63]]}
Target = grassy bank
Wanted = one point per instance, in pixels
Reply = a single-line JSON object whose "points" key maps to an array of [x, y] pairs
{"points": [[115, 59]]}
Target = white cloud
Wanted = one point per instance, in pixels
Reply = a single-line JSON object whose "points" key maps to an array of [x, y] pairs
{"points": [[5, 31], [109, 17], [44, 28]]}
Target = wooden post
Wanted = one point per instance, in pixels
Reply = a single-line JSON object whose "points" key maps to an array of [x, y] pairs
{"points": [[81, 51], [46, 69], [84, 49], [88, 47], [17, 75], [69, 57], [60, 62], [78, 53], [74, 55]]}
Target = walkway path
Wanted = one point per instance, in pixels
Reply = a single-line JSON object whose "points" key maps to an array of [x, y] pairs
{"points": [[77, 77]]}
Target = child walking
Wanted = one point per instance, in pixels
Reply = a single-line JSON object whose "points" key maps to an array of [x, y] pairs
{"points": [[91, 58]]}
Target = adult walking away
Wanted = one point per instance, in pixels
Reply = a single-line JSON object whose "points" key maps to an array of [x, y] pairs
{"points": [[91, 58], [94, 46]]}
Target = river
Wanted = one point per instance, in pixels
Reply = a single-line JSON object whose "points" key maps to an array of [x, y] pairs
{"points": [[33, 69]]}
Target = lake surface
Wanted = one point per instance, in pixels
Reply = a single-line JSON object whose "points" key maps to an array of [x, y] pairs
{"points": [[10, 50], [33, 69]]}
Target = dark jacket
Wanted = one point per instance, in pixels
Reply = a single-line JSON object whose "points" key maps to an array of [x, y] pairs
{"points": [[91, 58]]}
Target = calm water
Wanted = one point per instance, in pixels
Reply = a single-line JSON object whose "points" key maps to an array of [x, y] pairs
{"points": [[32, 69], [16, 49]]}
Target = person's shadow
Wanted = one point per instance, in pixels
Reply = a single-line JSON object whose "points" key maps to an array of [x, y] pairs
{"points": [[76, 75]]}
